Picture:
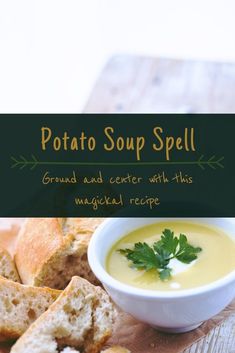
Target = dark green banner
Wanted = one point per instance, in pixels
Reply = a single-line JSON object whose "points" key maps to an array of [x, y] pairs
{"points": [[117, 165]]}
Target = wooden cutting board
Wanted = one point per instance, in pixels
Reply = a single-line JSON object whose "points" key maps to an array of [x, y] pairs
{"points": [[5, 347], [140, 84]]}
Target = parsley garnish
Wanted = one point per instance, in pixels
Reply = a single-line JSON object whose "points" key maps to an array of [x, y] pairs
{"points": [[158, 256]]}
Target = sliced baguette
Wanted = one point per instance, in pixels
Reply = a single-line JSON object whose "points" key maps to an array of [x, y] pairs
{"points": [[9, 231], [7, 266], [81, 317], [50, 251], [21, 305]]}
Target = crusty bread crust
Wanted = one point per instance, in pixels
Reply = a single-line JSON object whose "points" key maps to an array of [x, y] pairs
{"points": [[38, 239], [50, 251], [7, 266], [81, 317], [20, 305], [9, 234]]}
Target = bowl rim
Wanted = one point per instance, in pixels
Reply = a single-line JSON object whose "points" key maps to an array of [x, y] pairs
{"points": [[117, 285]]}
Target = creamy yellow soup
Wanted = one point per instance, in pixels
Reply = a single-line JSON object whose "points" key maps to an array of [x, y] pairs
{"points": [[216, 259]]}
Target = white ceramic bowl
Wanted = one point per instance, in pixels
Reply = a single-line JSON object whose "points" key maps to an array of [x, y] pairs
{"points": [[171, 311]]}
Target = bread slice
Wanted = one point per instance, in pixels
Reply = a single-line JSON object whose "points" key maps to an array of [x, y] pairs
{"points": [[114, 349], [50, 251], [21, 305], [7, 266], [81, 317]]}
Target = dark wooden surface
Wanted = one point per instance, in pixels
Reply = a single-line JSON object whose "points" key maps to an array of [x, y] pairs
{"points": [[139, 84]]}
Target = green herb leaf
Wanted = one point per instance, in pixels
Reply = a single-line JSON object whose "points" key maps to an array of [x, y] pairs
{"points": [[162, 254], [186, 252], [165, 274], [145, 257], [169, 241], [142, 256]]}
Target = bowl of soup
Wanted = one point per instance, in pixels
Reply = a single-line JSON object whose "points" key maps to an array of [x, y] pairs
{"points": [[172, 273]]}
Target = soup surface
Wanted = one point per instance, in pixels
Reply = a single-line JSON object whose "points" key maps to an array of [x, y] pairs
{"points": [[216, 259]]}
